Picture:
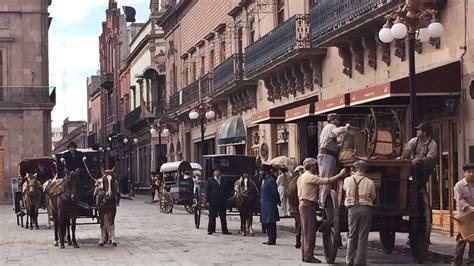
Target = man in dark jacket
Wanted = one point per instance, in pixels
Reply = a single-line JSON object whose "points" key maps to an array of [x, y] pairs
{"points": [[73, 158], [216, 202], [43, 174], [269, 199]]}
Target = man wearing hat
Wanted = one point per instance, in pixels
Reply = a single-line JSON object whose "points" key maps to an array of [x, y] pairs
{"points": [[73, 158], [308, 187], [360, 195], [269, 199], [464, 196], [422, 150], [216, 201], [327, 162]]}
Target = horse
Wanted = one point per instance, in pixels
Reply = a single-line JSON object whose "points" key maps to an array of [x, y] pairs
{"points": [[32, 194], [245, 198], [107, 195], [63, 205]]}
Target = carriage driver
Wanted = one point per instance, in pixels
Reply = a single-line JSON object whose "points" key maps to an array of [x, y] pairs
{"points": [[73, 158], [327, 157], [422, 150]]}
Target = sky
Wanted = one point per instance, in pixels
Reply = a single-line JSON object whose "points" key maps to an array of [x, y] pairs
{"points": [[74, 51]]}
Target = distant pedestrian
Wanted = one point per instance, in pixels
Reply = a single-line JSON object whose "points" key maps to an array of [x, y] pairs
{"points": [[282, 183], [269, 199], [360, 194], [464, 195], [308, 188], [294, 202], [216, 202]]}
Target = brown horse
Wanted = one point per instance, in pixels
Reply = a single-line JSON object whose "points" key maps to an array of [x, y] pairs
{"points": [[107, 195], [63, 205], [32, 194], [246, 199]]}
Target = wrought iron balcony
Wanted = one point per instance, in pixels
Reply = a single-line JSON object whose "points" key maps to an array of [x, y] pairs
{"points": [[133, 118], [14, 96], [228, 71], [329, 15], [286, 37], [185, 97], [107, 80]]}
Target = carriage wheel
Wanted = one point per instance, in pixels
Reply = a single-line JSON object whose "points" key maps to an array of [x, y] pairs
{"points": [[420, 230], [197, 207], [331, 235], [397, 134], [166, 202], [387, 238], [189, 208], [371, 133]]}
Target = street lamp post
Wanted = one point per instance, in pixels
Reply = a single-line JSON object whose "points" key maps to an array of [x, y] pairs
{"points": [[419, 23], [202, 111], [160, 129], [130, 165]]}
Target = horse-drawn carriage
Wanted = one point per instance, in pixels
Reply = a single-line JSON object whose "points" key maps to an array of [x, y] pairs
{"points": [[232, 167], [402, 204], [27, 167], [176, 185], [90, 171]]}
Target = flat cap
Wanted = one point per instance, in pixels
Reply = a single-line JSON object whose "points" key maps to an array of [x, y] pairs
{"points": [[299, 168], [309, 161], [468, 166], [424, 127], [332, 116], [361, 164]]}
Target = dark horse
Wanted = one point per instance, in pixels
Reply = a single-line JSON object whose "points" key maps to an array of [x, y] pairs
{"points": [[63, 204], [246, 199], [107, 195], [32, 194]]}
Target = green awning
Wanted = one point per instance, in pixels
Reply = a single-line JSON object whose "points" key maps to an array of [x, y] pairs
{"points": [[232, 132]]}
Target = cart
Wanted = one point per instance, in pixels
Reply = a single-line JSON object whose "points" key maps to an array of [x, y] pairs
{"points": [[88, 175], [177, 185], [28, 165], [401, 206], [232, 167]]}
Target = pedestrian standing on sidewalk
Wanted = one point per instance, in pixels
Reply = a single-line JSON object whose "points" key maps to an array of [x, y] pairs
{"points": [[294, 202], [464, 196], [216, 202], [327, 157], [269, 199], [282, 183], [360, 195], [308, 188]]}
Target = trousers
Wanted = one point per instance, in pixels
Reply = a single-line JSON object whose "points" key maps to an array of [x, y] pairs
{"points": [[359, 219], [213, 212], [459, 252], [308, 228], [271, 232]]}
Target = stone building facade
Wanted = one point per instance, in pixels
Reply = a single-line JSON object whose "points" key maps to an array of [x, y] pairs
{"points": [[72, 131], [26, 100], [282, 66]]}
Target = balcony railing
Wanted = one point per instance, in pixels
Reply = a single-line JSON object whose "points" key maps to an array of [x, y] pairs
{"points": [[287, 36], [27, 95], [329, 15], [229, 70], [107, 80], [206, 85], [133, 118], [186, 96]]}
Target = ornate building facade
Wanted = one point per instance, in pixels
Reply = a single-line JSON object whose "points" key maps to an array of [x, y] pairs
{"points": [[26, 100]]}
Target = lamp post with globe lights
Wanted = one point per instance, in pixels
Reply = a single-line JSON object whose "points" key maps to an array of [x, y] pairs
{"points": [[416, 22], [130, 140], [202, 111], [159, 129]]}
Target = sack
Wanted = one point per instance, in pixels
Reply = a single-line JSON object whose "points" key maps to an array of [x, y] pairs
{"points": [[464, 222], [346, 154]]}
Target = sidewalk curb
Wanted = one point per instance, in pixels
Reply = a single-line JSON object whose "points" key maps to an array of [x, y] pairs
{"points": [[374, 244]]}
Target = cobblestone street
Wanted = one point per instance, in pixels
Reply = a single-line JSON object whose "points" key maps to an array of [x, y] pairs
{"points": [[147, 237]]}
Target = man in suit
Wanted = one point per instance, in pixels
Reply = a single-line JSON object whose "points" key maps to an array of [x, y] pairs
{"points": [[43, 174], [216, 202], [72, 158]]}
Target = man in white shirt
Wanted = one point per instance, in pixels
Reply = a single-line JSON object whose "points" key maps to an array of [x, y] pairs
{"points": [[360, 194], [327, 162]]}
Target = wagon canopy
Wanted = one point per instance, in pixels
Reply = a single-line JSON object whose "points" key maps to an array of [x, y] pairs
{"points": [[30, 165], [181, 166]]}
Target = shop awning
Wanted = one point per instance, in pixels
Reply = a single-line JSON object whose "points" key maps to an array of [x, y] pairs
{"points": [[441, 81], [232, 132], [331, 104], [277, 114], [298, 112]]}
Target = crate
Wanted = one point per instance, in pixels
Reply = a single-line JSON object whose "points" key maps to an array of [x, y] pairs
{"points": [[465, 224]]}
